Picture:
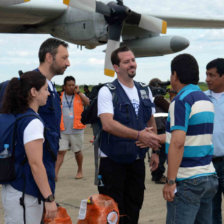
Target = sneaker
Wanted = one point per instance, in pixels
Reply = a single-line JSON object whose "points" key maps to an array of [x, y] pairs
{"points": [[162, 180]]}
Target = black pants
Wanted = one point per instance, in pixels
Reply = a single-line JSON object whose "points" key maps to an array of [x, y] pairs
{"points": [[125, 183]]}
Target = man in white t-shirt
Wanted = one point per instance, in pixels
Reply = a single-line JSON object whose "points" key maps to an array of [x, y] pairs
{"points": [[125, 121], [215, 81]]}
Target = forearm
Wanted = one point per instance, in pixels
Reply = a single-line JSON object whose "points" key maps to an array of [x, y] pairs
{"points": [[120, 130], [84, 99], [152, 123], [41, 179], [175, 156]]}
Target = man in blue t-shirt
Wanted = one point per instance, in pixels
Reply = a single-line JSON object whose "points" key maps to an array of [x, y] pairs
{"points": [[191, 178]]}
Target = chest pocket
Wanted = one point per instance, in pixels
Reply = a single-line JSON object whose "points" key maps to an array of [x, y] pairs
{"points": [[147, 109], [122, 112]]}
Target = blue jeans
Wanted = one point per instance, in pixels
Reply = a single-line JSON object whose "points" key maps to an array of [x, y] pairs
{"points": [[217, 200], [193, 201]]}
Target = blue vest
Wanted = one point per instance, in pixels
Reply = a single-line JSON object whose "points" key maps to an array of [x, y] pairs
{"points": [[124, 150], [51, 115], [24, 181]]}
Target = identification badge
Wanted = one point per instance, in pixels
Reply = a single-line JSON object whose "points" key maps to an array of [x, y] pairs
{"points": [[71, 115]]}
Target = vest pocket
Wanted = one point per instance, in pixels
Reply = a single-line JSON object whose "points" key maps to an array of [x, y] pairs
{"points": [[122, 113], [147, 109]]}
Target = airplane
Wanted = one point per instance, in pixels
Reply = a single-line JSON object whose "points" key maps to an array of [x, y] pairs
{"points": [[93, 23]]}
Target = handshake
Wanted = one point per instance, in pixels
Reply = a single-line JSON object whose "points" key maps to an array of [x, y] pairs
{"points": [[147, 138]]}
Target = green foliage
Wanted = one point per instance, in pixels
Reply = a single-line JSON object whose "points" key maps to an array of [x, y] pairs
{"points": [[203, 86]]}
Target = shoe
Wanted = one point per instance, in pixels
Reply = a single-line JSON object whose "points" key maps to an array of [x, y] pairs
{"points": [[162, 180]]}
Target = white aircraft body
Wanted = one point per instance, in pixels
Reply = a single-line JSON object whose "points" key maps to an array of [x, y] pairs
{"points": [[92, 23]]}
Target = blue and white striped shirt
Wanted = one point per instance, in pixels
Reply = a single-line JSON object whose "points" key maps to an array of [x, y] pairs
{"points": [[192, 112]]}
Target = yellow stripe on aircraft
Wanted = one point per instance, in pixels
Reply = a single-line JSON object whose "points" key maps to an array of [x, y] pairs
{"points": [[66, 2], [164, 27], [109, 72]]}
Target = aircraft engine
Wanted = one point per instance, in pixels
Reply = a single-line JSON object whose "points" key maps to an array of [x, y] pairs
{"points": [[157, 45], [81, 27]]}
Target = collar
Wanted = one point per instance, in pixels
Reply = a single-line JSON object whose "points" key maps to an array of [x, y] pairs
{"points": [[189, 87]]}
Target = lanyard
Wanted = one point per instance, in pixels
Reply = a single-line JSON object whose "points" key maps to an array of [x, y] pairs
{"points": [[69, 103]]}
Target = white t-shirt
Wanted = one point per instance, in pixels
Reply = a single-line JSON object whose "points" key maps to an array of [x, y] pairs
{"points": [[105, 102], [33, 131]]}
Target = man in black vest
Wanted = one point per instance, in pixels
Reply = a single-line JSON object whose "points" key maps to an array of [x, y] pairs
{"points": [[125, 121]]}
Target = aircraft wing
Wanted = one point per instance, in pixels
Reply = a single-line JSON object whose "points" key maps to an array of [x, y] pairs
{"points": [[11, 2], [29, 17], [192, 21], [131, 32]]}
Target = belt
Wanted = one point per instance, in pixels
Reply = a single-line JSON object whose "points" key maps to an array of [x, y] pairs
{"points": [[218, 159]]}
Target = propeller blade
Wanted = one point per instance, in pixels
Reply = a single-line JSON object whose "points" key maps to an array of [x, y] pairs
{"points": [[11, 2], [89, 5], [147, 22], [108, 67], [153, 24], [114, 32]]}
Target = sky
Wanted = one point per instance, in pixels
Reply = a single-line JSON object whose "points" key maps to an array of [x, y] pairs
{"points": [[20, 51]]}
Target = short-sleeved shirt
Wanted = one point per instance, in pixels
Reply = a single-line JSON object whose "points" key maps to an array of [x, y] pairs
{"points": [[192, 112], [218, 132], [105, 102]]}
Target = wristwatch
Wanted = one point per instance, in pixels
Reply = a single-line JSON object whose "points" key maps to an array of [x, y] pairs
{"points": [[156, 152], [170, 182], [50, 198]]}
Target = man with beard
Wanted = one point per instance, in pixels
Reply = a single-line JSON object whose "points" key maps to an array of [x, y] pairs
{"points": [[53, 57], [124, 121]]}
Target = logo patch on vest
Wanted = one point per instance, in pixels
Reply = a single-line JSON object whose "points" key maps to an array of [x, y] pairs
{"points": [[144, 94]]}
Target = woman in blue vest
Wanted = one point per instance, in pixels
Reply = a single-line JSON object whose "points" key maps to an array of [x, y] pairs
{"points": [[24, 198]]}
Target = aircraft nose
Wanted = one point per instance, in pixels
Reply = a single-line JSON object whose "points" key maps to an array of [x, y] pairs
{"points": [[179, 43]]}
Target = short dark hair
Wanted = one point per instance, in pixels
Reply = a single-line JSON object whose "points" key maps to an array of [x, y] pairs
{"points": [[50, 46], [17, 94], [68, 78], [115, 60], [217, 63], [186, 67]]}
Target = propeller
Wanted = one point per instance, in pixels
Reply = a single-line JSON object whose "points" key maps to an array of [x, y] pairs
{"points": [[11, 2], [116, 14]]}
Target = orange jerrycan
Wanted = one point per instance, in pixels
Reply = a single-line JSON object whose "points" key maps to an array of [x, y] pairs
{"points": [[98, 209], [62, 217]]}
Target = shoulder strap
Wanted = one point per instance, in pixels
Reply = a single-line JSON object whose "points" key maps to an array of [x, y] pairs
{"points": [[15, 129], [112, 88]]}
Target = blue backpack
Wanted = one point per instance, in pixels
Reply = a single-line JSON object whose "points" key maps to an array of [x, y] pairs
{"points": [[8, 130]]}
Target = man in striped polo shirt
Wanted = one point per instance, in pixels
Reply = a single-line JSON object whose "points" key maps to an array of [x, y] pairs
{"points": [[191, 178]]}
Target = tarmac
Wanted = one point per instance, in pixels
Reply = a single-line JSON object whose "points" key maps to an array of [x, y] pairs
{"points": [[70, 191]]}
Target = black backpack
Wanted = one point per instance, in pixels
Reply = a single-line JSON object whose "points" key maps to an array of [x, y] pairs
{"points": [[89, 114]]}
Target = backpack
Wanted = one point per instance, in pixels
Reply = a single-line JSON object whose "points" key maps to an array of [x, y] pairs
{"points": [[89, 114], [8, 124]]}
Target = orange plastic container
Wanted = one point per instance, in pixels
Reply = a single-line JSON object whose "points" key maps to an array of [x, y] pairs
{"points": [[61, 218], [100, 209]]}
